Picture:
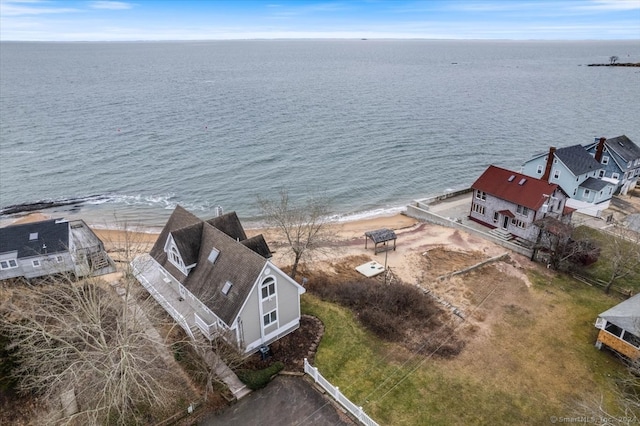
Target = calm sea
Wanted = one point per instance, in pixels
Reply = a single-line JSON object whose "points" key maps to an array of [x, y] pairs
{"points": [[132, 129]]}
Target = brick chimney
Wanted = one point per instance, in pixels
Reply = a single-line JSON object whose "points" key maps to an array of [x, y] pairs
{"points": [[547, 170], [600, 149]]}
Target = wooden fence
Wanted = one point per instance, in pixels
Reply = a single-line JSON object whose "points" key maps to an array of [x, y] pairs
{"points": [[338, 396], [599, 283]]}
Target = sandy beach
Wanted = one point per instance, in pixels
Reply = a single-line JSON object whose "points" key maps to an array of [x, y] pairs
{"points": [[347, 240]]}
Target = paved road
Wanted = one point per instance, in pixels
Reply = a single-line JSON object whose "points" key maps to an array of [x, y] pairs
{"points": [[286, 401]]}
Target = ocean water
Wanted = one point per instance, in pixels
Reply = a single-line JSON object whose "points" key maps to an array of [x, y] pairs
{"points": [[129, 130]]}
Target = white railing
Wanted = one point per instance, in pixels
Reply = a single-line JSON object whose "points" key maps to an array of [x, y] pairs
{"points": [[334, 391], [177, 316], [207, 329]]}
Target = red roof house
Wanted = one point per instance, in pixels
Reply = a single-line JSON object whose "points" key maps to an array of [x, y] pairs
{"points": [[512, 202]]}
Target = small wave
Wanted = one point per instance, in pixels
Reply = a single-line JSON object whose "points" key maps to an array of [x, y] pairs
{"points": [[367, 214], [167, 201], [19, 152]]}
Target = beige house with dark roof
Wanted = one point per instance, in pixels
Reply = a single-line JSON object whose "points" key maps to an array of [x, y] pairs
{"points": [[211, 278]]}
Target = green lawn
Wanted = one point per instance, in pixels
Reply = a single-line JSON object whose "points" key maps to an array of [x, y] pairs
{"points": [[534, 363]]}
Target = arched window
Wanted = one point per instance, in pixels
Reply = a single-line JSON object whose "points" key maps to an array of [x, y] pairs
{"points": [[268, 287]]}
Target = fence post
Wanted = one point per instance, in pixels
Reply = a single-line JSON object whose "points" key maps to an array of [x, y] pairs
{"points": [[360, 413], [315, 374], [337, 394]]}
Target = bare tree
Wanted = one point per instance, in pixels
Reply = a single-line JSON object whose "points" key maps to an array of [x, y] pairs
{"points": [[303, 226], [622, 254], [613, 59], [92, 348], [559, 248], [80, 337]]}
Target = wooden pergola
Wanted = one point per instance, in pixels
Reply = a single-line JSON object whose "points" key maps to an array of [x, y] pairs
{"points": [[381, 236]]}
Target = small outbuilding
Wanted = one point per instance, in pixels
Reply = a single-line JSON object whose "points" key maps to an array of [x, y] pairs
{"points": [[381, 237], [620, 328]]}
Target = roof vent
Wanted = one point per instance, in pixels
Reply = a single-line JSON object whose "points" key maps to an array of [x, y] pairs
{"points": [[227, 287], [620, 143], [522, 181], [511, 178], [33, 236]]}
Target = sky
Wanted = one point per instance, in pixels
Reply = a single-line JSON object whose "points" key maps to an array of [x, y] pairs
{"points": [[43, 20]]}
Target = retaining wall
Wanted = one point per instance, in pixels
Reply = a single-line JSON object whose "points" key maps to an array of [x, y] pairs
{"points": [[421, 214]]}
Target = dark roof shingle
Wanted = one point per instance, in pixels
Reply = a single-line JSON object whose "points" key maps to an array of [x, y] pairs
{"points": [[50, 236], [238, 262], [577, 159]]}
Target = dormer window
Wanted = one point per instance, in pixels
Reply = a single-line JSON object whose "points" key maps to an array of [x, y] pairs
{"points": [[175, 258], [605, 159], [33, 236], [227, 287]]}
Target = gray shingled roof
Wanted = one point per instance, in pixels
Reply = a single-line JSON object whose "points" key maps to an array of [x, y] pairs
{"points": [[55, 236], [259, 245], [624, 147], [236, 262], [594, 184], [230, 225], [180, 218], [625, 315], [577, 159]]}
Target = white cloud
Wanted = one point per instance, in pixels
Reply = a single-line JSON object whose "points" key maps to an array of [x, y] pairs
{"points": [[31, 7], [610, 5], [110, 5]]}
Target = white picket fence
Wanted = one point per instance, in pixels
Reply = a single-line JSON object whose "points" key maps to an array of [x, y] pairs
{"points": [[338, 396]]}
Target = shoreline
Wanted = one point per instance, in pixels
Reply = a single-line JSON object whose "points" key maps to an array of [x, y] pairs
{"points": [[350, 227]]}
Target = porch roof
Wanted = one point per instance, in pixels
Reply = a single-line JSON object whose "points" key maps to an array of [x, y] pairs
{"points": [[625, 315], [507, 213]]}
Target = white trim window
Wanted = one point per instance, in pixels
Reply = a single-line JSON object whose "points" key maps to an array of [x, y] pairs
{"points": [[586, 192], [539, 169], [519, 223], [268, 288], [36, 263], [8, 264], [522, 210], [605, 159], [477, 208], [481, 195], [269, 318], [556, 174], [601, 174], [615, 175]]}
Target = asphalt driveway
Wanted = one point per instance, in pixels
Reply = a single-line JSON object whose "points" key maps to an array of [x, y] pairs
{"points": [[287, 400]]}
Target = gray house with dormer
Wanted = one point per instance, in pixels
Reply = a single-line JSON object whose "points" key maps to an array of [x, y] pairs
{"points": [[620, 161], [214, 280], [577, 173], [49, 247]]}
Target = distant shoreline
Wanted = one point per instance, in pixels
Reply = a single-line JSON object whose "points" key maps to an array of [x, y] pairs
{"points": [[627, 64]]}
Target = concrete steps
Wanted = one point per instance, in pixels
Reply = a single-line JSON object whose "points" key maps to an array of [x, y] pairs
{"points": [[501, 234]]}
